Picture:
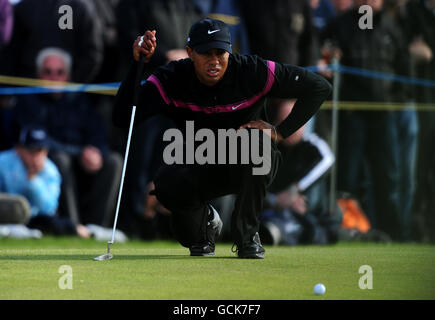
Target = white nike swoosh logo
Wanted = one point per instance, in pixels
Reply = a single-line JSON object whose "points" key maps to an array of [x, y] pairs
{"points": [[234, 108], [211, 32]]}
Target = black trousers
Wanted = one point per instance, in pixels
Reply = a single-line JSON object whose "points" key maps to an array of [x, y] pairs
{"points": [[88, 198], [186, 190], [55, 225]]}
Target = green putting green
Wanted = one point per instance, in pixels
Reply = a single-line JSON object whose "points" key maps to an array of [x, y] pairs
{"points": [[63, 268]]}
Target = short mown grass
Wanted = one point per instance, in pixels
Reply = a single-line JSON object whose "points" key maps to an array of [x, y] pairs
{"points": [[163, 270]]}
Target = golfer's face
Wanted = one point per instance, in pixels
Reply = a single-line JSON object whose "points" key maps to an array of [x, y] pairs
{"points": [[210, 67]]}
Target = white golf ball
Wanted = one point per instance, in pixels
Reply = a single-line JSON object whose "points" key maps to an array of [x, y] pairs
{"points": [[319, 289]]}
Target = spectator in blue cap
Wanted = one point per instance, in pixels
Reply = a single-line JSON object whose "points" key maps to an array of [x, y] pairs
{"points": [[30, 186]]}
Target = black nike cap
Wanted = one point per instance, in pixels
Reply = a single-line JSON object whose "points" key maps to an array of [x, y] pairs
{"points": [[209, 34]]}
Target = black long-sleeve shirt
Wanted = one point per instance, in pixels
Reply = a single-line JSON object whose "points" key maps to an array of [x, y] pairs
{"points": [[237, 99]]}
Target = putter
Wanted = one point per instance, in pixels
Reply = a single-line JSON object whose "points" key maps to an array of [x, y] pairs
{"points": [[109, 255]]}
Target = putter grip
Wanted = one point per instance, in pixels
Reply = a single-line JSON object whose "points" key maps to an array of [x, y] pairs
{"points": [[138, 81]]}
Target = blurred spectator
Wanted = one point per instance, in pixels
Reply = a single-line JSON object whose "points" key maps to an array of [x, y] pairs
{"points": [[407, 122], [36, 26], [342, 6], [106, 17], [8, 131], [323, 11], [31, 186], [326, 50], [421, 24], [172, 20], [90, 171], [297, 211], [282, 31], [6, 22], [228, 11], [371, 142], [106, 13]]}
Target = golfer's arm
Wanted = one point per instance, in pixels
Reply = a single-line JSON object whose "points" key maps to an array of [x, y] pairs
{"points": [[148, 101], [310, 90]]}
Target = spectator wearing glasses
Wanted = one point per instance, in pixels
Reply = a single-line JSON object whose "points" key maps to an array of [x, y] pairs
{"points": [[89, 170]]}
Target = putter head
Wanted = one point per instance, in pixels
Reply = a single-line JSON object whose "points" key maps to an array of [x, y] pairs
{"points": [[106, 256], [103, 257]]}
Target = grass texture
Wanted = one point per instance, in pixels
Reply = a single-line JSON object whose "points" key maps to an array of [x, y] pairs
{"points": [[163, 270]]}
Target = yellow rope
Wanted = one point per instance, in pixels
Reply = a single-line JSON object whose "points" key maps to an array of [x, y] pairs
{"points": [[98, 89], [18, 81]]}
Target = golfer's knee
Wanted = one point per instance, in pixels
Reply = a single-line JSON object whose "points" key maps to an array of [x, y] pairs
{"points": [[173, 190], [172, 198]]}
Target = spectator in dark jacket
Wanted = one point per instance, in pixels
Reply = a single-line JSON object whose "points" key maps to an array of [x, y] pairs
{"points": [[90, 171], [280, 30], [36, 26], [421, 25], [371, 142], [106, 12], [6, 24]]}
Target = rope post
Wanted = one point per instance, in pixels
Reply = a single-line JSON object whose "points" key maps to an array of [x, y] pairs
{"points": [[334, 133]]}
